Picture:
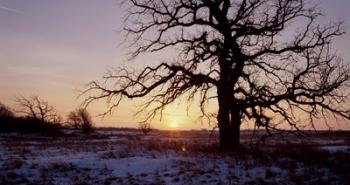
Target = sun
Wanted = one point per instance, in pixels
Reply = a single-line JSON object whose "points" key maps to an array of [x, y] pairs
{"points": [[173, 123]]}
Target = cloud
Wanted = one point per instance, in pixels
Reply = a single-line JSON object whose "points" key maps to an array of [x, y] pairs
{"points": [[2, 7]]}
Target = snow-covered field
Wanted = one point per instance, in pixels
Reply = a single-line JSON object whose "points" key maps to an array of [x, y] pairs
{"points": [[118, 156]]}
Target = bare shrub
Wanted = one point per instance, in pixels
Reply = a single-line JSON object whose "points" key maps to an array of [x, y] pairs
{"points": [[80, 119], [145, 127], [5, 111], [73, 120]]}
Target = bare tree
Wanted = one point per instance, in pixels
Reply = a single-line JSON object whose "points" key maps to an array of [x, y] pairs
{"points": [[36, 108], [80, 119], [263, 61]]}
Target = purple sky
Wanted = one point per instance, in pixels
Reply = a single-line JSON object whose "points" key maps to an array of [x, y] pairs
{"points": [[52, 48]]}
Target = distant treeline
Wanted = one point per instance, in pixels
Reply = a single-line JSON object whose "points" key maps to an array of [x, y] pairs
{"points": [[35, 115]]}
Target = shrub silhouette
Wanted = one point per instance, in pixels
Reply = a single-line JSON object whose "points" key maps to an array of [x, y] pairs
{"points": [[80, 119], [5, 111], [6, 116], [28, 125], [145, 127]]}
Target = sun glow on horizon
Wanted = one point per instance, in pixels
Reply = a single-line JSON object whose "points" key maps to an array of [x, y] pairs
{"points": [[173, 123]]}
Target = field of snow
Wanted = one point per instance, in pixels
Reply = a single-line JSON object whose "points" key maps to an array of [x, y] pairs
{"points": [[117, 156]]}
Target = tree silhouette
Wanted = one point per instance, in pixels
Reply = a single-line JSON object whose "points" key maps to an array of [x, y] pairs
{"points": [[266, 61], [80, 119], [5, 112], [38, 109]]}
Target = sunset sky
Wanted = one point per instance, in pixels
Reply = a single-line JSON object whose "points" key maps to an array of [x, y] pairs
{"points": [[51, 48]]}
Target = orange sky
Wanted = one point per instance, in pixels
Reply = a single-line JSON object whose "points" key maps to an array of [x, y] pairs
{"points": [[52, 48]]}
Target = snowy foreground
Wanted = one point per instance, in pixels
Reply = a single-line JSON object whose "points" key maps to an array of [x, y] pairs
{"points": [[164, 157]]}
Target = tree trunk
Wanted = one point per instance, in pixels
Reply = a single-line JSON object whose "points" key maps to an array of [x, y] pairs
{"points": [[229, 120], [236, 125]]}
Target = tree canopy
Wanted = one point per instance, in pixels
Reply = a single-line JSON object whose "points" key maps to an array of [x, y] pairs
{"points": [[265, 61]]}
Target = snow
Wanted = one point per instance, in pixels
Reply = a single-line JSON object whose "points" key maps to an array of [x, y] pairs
{"points": [[128, 157], [334, 149]]}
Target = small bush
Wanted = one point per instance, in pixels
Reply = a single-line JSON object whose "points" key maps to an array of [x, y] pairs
{"points": [[80, 119], [5, 112], [145, 128]]}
